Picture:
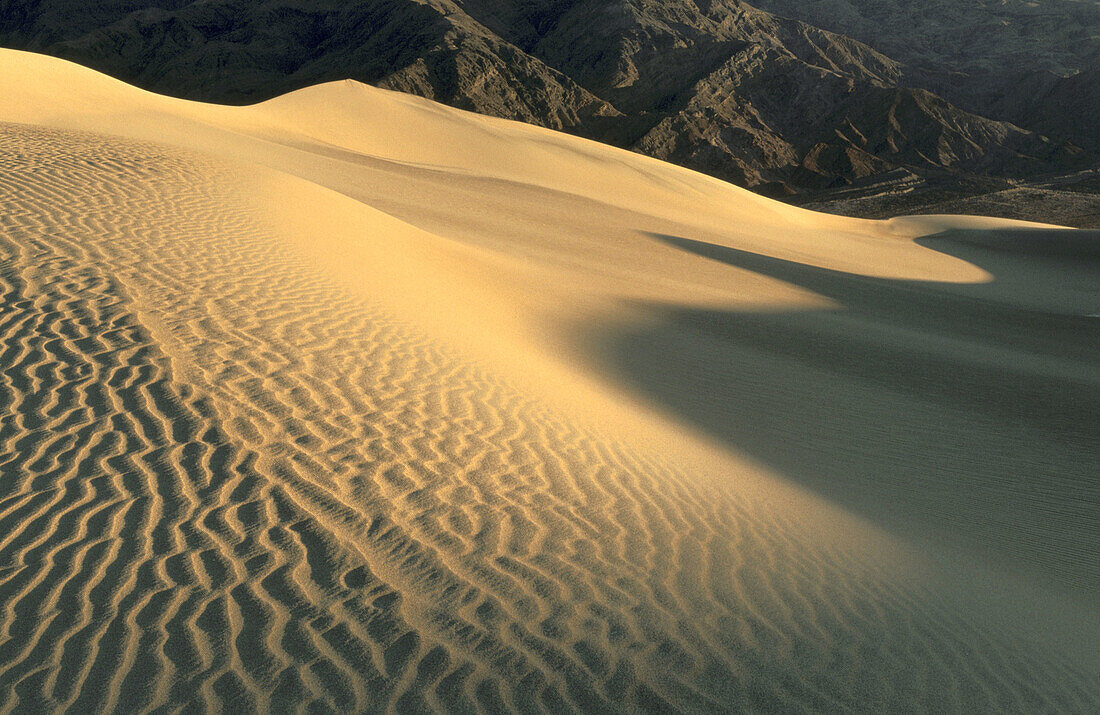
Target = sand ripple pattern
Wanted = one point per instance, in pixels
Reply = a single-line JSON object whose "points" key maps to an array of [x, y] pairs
{"points": [[228, 486]]}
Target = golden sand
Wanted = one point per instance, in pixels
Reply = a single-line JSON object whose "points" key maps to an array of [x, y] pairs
{"points": [[353, 401]]}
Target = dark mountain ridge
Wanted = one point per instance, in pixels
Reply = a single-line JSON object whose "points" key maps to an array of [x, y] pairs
{"points": [[721, 86], [1008, 59]]}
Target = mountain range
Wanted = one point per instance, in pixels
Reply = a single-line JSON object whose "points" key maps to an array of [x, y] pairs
{"points": [[795, 99]]}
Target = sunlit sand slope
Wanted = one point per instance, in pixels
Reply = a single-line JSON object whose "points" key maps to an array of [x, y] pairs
{"points": [[350, 402]]}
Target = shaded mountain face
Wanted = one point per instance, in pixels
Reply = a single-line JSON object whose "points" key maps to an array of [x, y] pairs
{"points": [[1008, 59], [715, 85]]}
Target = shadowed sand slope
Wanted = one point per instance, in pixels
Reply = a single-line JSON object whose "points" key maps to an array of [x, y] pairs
{"points": [[349, 402], [934, 408]]}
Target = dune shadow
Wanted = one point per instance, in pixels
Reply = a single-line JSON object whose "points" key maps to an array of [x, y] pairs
{"points": [[935, 410]]}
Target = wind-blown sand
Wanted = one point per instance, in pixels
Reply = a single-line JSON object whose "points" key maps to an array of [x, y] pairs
{"points": [[352, 401]]}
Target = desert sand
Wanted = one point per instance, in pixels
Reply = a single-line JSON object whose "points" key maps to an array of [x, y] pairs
{"points": [[348, 401]]}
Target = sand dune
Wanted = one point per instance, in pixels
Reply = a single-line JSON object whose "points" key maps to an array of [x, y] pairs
{"points": [[350, 402]]}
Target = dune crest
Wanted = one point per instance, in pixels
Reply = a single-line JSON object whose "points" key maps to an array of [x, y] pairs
{"points": [[353, 401]]}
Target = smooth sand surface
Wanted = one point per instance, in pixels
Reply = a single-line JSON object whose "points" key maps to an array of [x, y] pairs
{"points": [[348, 401]]}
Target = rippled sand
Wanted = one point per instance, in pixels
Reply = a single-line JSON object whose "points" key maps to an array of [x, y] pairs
{"points": [[352, 402]]}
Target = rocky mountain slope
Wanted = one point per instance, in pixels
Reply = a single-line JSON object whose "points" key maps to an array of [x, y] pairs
{"points": [[721, 86], [1008, 59]]}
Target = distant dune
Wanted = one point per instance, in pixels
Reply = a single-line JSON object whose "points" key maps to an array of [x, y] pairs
{"points": [[348, 401]]}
